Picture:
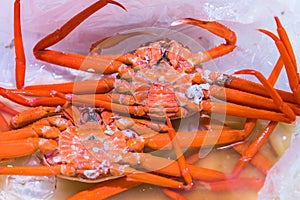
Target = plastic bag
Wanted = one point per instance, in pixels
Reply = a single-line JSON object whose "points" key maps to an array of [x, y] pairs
{"points": [[254, 50]]}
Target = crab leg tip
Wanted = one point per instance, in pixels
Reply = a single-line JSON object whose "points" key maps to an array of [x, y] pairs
{"points": [[244, 71], [277, 21], [118, 4], [270, 34]]}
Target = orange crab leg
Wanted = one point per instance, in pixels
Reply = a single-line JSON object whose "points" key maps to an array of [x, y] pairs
{"points": [[154, 180], [106, 189], [45, 97], [256, 88], [253, 149], [247, 99], [276, 71], [235, 184], [70, 25], [19, 50], [251, 152], [49, 128], [275, 96], [15, 96], [196, 139], [112, 97], [259, 160], [71, 60], [80, 87], [285, 39], [289, 65], [171, 168], [217, 29], [22, 133], [47, 101], [31, 115], [18, 148], [243, 111], [180, 157], [172, 194], [287, 58], [31, 170]]}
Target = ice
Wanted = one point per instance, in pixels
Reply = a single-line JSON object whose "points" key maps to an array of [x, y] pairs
{"points": [[28, 187], [283, 179]]}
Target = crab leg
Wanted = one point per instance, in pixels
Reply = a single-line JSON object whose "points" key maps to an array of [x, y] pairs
{"points": [[180, 157], [285, 39], [31, 115], [259, 160], [239, 84], [71, 60], [256, 88], [49, 128], [19, 48], [251, 152], [170, 167], [80, 87], [31, 170], [106, 189], [154, 180], [253, 149], [243, 111], [172, 194], [19, 99], [275, 96], [276, 71], [288, 113], [18, 148], [235, 184], [45, 97], [15, 97], [195, 139], [187, 139], [247, 99], [288, 59], [217, 29]]}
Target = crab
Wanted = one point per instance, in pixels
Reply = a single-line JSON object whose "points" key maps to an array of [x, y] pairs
{"points": [[137, 98]]}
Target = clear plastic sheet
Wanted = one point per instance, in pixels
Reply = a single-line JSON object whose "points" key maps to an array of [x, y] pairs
{"points": [[254, 50], [28, 187]]}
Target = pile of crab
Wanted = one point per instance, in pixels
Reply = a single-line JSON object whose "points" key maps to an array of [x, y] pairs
{"points": [[107, 130]]}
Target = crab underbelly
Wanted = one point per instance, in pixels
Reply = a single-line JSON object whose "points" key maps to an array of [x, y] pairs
{"points": [[161, 98]]}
